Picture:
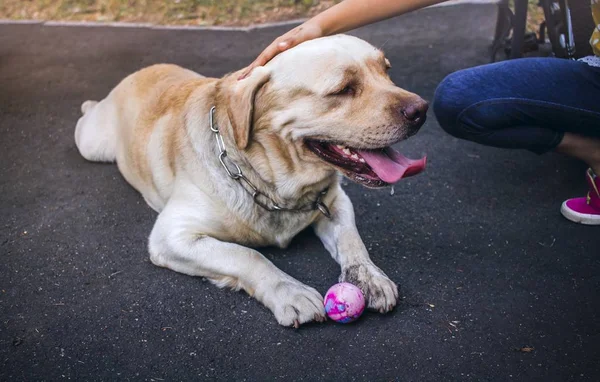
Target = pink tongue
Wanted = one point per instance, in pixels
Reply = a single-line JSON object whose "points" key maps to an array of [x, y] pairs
{"points": [[390, 165]]}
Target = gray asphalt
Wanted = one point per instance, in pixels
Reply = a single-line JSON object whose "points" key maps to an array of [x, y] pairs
{"points": [[486, 263]]}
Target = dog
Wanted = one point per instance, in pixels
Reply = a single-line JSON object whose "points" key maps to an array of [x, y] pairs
{"points": [[231, 165]]}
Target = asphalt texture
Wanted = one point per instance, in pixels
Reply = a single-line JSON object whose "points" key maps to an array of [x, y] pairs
{"points": [[496, 285]]}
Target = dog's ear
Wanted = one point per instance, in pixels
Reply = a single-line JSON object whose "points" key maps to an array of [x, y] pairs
{"points": [[240, 104]]}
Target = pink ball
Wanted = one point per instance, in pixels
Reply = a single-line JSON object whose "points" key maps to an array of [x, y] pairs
{"points": [[344, 302]]}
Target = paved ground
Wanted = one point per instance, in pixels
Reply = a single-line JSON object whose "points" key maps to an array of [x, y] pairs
{"points": [[486, 263]]}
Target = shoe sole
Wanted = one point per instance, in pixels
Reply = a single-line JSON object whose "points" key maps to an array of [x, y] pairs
{"points": [[577, 217]]}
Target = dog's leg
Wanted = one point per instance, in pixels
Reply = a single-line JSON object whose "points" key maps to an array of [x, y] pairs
{"points": [[341, 239], [176, 243], [96, 131]]}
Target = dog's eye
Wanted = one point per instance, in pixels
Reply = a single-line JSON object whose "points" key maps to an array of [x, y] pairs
{"points": [[348, 90]]}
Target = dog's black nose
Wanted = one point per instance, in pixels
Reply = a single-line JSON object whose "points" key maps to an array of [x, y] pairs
{"points": [[416, 111]]}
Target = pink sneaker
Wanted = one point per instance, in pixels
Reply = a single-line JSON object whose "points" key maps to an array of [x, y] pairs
{"points": [[585, 210]]}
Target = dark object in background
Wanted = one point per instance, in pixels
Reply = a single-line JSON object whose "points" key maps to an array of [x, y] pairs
{"points": [[568, 26]]}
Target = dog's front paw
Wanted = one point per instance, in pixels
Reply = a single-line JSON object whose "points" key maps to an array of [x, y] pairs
{"points": [[294, 303], [381, 293]]}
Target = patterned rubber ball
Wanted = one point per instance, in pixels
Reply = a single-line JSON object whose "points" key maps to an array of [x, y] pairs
{"points": [[344, 302]]}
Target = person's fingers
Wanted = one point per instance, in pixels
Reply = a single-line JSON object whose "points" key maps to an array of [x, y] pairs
{"points": [[307, 31], [247, 71], [271, 51], [266, 55]]}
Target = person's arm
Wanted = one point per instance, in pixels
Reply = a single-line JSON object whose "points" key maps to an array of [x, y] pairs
{"points": [[352, 14], [342, 17]]}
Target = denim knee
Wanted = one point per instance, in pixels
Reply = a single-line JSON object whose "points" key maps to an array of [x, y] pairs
{"points": [[449, 102]]}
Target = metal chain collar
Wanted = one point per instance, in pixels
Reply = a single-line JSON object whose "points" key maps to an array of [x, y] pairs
{"points": [[250, 188]]}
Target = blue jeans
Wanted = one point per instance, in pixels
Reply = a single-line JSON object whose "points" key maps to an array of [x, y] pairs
{"points": [[521, 104]]}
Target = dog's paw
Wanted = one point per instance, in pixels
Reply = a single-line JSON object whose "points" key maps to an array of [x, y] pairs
{"points": [[381, 293], [294, 303]]}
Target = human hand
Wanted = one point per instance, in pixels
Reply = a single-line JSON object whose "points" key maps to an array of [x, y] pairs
{"points": [[307, 31]]}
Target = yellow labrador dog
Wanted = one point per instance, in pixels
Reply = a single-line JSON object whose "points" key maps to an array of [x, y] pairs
{"points": [[230, 164]]}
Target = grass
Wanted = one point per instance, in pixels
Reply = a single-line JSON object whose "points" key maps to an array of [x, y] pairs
{"points": [[180, 12]]}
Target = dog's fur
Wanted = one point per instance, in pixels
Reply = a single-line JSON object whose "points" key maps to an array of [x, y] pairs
{"points": [[155, 125]]}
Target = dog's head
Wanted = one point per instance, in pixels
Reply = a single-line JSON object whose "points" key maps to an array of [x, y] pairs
{"points": [[327, 103]]}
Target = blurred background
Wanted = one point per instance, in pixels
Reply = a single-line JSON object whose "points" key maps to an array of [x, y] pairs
{"points": [[182, 12]]}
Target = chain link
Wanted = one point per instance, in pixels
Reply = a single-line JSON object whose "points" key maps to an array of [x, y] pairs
{"points": [[251, 188]]}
